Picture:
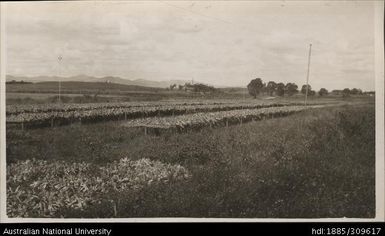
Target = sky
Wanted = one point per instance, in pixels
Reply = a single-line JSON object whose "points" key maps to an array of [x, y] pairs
{"points": [[224, 43]]}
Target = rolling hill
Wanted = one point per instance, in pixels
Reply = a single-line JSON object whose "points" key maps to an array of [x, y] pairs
{"points": [[104, 80]]}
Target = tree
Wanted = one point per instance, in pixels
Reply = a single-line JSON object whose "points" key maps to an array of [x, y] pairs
{"points": [[346, 92], [255, 86], [271, 87], [291, 89], [172, 86], [264, 89], [356, 91], [323, 91], [309, 91], [303, 89], [336, 92], [280, 89]]}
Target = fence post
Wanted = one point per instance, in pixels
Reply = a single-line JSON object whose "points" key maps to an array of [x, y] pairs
{"points": [[145, 130], [22, 126], [51, 122]]}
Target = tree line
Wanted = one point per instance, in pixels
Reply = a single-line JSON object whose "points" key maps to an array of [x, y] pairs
{"points": [[257, 87], [17, 82]]}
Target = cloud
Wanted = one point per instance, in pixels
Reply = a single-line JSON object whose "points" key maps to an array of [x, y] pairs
{"points": [[218, 43]]}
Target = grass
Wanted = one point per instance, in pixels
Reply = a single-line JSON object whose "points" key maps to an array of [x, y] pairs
{"points": [[78, 87], [318, 163], [83, 92], [42, 98]]}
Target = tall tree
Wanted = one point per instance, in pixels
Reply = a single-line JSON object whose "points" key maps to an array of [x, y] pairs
{"points": [[303, 89], [323, 92], [346, 92], [255, 86], [280, 89], [271, 87], [291, 89], [355, 91], [264, 89]]}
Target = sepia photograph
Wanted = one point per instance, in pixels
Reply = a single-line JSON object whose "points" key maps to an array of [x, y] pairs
{"points": [[233, 110]]}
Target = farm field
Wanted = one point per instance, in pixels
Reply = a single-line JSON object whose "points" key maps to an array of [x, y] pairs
{"points": [[42, 96], [91, 92], [282, 165], [72, 87], [193, 111], [60, 114]]}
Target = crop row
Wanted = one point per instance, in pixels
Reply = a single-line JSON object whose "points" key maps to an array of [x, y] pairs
{"points": [[120, 113], [65, 107], [222, 118]]}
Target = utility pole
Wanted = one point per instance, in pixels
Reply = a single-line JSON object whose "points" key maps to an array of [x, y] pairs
{"points": [[60, 58], [307, 76]]}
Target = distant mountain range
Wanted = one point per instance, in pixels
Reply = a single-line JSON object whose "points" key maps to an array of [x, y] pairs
{"points": [[108, 79]]}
